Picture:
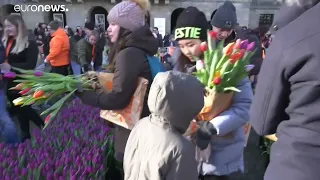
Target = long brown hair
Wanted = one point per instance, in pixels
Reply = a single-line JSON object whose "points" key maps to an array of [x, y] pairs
{"points": [[116, 47], [22, 34]]}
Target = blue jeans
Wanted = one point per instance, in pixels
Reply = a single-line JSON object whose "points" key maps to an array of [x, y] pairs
{"points": [[98, 68], [8, 127], [76, 68]]}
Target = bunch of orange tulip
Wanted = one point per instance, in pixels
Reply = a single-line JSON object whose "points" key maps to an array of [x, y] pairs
{"points": [[223, 67], [36, 88]]}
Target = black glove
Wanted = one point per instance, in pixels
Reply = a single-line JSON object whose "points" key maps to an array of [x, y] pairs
{"points": [[204, 133], [85, 68], [88, 97]]}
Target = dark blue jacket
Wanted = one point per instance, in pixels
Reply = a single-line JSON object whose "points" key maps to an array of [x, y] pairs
{"points": [[286, 100]]}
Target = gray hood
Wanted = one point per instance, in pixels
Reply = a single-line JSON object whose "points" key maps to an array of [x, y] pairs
{"points": [[176, 97]]}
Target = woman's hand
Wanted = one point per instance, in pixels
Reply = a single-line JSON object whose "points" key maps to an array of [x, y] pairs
{"points": [[88, 97], [5, 68]]}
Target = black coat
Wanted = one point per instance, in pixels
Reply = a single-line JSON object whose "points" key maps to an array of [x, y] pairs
{"points": [[2, 52], [2, 59], [166, 40], [73, 51], [130, 64], [46, 45], [78, 37], [98, 52], [159, 39], [287, 98], [26, 59]]}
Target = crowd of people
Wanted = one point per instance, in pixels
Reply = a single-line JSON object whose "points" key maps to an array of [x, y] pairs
{"points": [[86, 49], [285, 100]]}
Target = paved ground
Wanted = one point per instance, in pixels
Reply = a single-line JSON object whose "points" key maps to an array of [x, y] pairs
{"points": [[255, 161]]}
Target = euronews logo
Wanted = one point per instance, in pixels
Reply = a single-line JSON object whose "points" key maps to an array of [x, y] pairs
{"points": [[40, 8]]}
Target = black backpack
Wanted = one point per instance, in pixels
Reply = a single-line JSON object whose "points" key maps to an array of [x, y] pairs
{"points": [[2, 53]]}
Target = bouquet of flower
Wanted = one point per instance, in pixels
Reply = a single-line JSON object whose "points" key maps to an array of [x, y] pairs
{"points": [[38, 88], [220, 71]]}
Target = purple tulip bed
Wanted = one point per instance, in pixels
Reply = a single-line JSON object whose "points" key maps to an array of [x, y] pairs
{"points": [[77, 145]]}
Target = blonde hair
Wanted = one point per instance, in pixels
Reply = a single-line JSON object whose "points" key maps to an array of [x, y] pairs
{"points": [[144, 4], [22, 34]]}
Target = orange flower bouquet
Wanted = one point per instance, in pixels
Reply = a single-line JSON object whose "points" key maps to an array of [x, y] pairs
{"points": [[220, 71], [37, 88]]}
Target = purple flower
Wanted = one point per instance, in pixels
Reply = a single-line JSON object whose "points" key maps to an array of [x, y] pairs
{"points": [[49, 176], [56, 175], [101, 168], [16, 170], [24, 171], [10, 75], [58, 147], [250, 46], [244, 44], [88, 170], [249, 67]]}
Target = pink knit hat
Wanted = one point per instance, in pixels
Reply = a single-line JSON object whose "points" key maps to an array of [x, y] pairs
{"points": [[127, 14]]}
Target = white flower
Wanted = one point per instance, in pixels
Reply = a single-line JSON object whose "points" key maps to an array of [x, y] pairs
{"points": [[199, 65]]}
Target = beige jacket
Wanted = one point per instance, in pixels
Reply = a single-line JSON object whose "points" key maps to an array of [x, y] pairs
{"points": [[156, 148]]}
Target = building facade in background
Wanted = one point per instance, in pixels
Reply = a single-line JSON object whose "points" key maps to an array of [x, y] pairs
{"points": [[163, 14]]}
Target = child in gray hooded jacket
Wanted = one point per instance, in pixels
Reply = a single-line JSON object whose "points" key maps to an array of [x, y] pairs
{"points": [[156, 148]]}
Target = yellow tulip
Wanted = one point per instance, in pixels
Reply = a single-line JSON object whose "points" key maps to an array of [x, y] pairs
{"points": [[217, 74], [18, 101]]}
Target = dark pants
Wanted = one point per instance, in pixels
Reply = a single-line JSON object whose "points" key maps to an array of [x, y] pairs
{"points": [[63, 70], [8, 127], [24, 114], [213, 178]]}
